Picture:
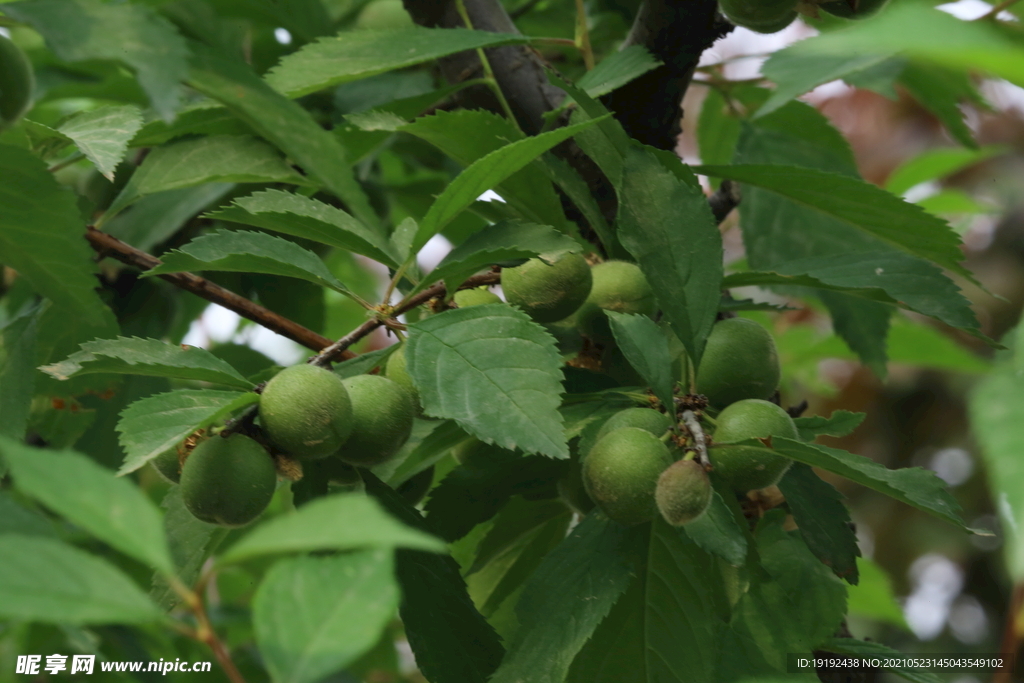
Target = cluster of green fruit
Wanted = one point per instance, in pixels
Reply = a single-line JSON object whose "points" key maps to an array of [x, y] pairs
{"points": [[307, 413], [770, 16]]}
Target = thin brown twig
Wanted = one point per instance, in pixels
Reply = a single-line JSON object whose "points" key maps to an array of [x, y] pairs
{"points": [[994, 12], [339, 347], [108, 245], [204, 632], [1012, 635]]}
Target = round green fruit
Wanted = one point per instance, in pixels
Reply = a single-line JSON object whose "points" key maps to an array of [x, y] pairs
{"points": [[382, 15], [683, 492], [480, 296], [647, 419], [306, 412], [617, 286], [395, 370], [740, 361], [167, 465], [621, 472], [857, 9], [548, 292], [744, 467], [17, 80], [763, 16], [228, 481], [382, 415]]}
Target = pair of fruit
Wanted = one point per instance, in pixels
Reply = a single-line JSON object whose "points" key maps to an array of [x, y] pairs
{"points": [[632, 475], [770, 16]]}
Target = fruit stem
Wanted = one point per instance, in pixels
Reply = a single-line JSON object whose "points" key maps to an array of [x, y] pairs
{"points": [[583, 35], [77, 156], [204, 632], [699, 440]]}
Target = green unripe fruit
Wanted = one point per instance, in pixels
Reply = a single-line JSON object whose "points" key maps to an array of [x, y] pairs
{"points": [[228, 481], [306, 412], [382, 415], [396, 371], [480, 296], [17, 80], [617, 286], [763, 16], [382, 15], [860, 9], [744, 467], [647, 419], [415, 488], [740, 361], [166, 464], [621, 472], [683, 492], [548, 292]]}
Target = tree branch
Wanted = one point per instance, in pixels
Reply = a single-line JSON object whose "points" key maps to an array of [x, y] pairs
{"points": [[724, 200], [108, 245]]}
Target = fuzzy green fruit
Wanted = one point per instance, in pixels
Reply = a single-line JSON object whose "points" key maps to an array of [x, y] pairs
{"points": [[228, 481], [621, 472], [395, 370], [480, 296], [166, 464], [617, 286], [306, 412], [382, 15], [647, 419], [744, 467], [683, 492], [858, 9], [548, 292], [17, 80], [382, 415], [740, 361], [763, 16]]}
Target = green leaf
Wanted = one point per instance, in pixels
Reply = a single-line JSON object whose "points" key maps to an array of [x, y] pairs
{"points": [[80, 30], [218, 158], [823, 520], [42, 579], [299, 216], [646, 348], [914, 486], [937, 163], [359, 54], [17, 375], [618, 69], [315, 615], [676, 597], [839, 424], [937, 37], [286, 124], [241, 251], [718, 532], [467, 135], [155, 424], [200, 118], [941, 90], [452, 642], [90, 496], [191, 541], [364, 363], [429, 451], [667, 226], [16, 518], [485, 173], [861, 648], [997, 419], [152, 220], [565, 599], [41, 235], [504, 242], [338, 522], [863, 206], [873, 596], [575, 188], [495, 372], [134, 356], [795, 72], [103, 134], [718, 130]]}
